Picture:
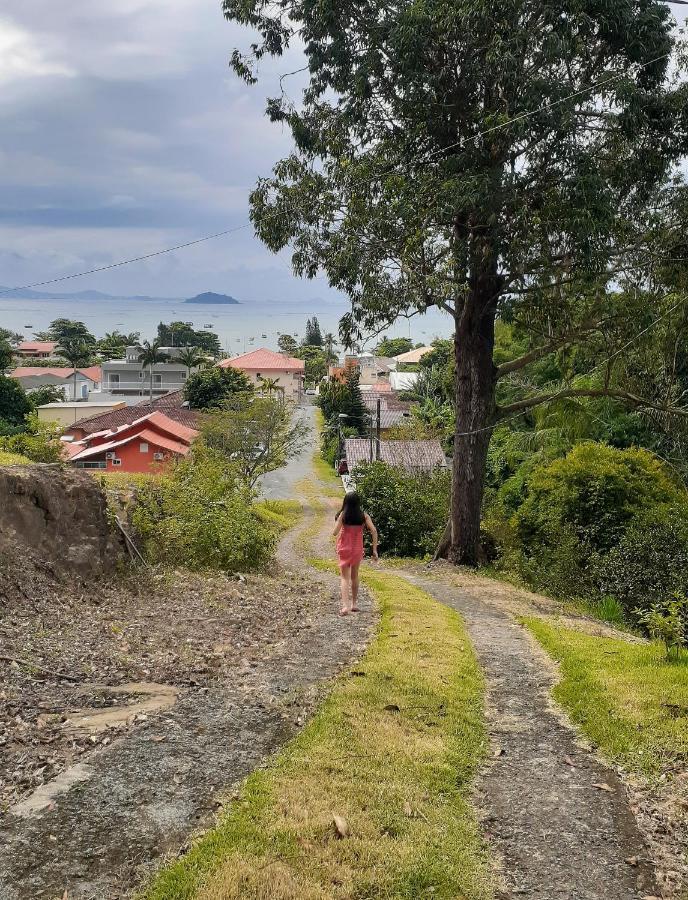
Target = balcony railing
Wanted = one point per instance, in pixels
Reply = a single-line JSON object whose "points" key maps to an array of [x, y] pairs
{"points": [[142, 385]]}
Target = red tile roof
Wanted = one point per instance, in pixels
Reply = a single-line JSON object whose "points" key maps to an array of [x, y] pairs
{"points": [[36, 346], [128, 414], [95, 373], [149, 435], [413, 456], [264, 360], [155, 420]]}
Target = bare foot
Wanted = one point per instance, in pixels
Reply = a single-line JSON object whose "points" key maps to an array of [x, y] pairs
{"points": [[343, 612]]}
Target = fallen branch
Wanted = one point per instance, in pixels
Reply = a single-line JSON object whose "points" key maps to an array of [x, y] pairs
{"points": [[33, 665]]}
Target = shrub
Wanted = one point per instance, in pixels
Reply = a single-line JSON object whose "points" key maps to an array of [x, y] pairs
{"points": [[211, 388], [650, 561], [201, 516], [39, 442], [595, 490], [409, 511], [666, 622]]}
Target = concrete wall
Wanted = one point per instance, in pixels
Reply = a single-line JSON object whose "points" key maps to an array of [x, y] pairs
{"points": [[66, 414]]}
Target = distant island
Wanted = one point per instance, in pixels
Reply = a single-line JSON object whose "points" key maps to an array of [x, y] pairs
{"points": [[212, 299]]}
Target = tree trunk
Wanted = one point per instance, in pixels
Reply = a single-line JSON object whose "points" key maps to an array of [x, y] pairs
{"points": [[474, 387], [150, 396]]}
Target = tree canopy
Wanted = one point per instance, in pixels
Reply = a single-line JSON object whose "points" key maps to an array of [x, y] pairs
{"points": [[180, 334], [509, 159], [211, 388]]}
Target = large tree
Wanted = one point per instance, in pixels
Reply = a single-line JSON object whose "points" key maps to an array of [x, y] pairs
{"points": [[489, 158]]}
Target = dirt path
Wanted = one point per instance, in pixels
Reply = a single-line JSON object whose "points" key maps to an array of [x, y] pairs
{"points": [[101, 825], [559, 835]]}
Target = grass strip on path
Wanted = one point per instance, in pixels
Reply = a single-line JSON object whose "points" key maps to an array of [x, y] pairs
{"points": [[627, 698], [392, 754]]}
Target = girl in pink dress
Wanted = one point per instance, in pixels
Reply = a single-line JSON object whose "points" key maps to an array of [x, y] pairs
{"points": [[349, 532]]}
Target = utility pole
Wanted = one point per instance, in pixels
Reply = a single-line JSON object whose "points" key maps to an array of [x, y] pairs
{"points": [[378, 455]]}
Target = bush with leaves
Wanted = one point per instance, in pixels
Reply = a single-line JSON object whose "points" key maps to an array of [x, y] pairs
{"points": [[38, 441], [595, 490], [592, 523], [665, 621], [409, 510], [649, 563], [201, 517], [211, 388]]}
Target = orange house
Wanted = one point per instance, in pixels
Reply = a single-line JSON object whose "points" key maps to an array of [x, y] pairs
{"points": [[147, 443]]}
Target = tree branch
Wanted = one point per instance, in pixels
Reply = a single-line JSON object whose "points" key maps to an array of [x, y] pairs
{"points": [[531, 402]]}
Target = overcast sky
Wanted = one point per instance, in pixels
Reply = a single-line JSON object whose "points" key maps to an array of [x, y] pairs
{"points": [[123, 131]]}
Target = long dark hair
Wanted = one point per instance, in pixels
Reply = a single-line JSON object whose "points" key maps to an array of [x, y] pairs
{"points": [[352, 511]]}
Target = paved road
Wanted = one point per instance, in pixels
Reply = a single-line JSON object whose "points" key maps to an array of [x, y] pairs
{"points": [[281, 485]]}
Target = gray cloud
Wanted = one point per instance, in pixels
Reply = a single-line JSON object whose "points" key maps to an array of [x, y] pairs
{"points": [[124, 131]]}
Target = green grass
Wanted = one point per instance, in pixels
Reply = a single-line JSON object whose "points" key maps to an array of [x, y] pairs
{"points": [[392, 751], [281, 514], [331, 482], [626, 697]]}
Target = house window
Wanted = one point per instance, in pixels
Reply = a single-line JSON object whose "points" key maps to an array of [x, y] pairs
{"points": [[157, 380], [143, 447], [116, 462], [141, 374], [114, 380]]}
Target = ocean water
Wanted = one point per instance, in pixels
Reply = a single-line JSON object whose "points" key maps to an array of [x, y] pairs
{"points": [[239, 328]]}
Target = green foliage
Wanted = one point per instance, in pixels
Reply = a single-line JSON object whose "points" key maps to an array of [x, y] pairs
{"points": [[650, 561], [49, 393], [339, 398], [287, 344], [594, 490], [14, 402], [313, 337], [6, 356], [38, 441], [212, 388], [391, 347], [409, 511], [604, 525], [279, 514], [77, 351], [666, 622], [114, 344], [254, 436], [69, 331], [316, 361], [13, 459], [191, 357], [179, 334], [201, 517]]}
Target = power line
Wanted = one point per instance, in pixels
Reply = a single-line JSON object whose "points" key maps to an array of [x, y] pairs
{"points": [[126, 262]]}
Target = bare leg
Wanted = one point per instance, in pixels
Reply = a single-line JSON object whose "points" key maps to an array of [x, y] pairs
{"points": [[354, 587], [345, 580]]}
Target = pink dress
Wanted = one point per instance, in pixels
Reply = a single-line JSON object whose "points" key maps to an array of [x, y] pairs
{"points": [[350, 545]]}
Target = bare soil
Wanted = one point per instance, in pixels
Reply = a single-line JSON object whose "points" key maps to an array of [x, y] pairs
{"points": [[135, 707]]}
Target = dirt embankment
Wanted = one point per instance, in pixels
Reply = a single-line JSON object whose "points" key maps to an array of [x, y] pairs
{"points": [[54, 525]]}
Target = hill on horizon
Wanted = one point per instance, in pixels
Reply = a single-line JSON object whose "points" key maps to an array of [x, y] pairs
{"points": [[212, 298]]}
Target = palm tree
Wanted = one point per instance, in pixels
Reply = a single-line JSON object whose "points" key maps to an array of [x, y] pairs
{"points": [[191, 357], [77, 353], [269, 386], [330, 343], [150, 356]]}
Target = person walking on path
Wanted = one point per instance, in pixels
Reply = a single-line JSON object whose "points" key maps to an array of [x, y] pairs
{"points": [[351, 521]]}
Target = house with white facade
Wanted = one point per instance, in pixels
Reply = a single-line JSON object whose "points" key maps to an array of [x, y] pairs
{"points": [[287, 371], [74, 386], [128, 377]]}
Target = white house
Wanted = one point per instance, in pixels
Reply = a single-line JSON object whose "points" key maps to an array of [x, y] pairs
{"points": [[74, 387]]}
